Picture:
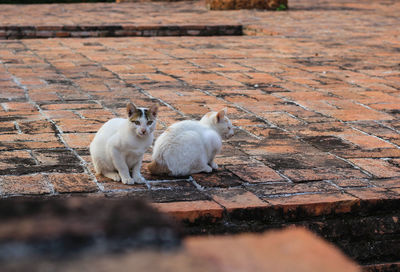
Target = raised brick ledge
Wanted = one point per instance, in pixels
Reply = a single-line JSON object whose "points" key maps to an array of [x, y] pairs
{"points": [[366, 230], [125, 30]]}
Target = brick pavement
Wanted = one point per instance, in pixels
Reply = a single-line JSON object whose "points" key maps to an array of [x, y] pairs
{"points": [[314, 93]]}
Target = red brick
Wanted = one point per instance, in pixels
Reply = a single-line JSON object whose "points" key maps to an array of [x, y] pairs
{"points": [[36, 127], [256, 173], [367, 142], [19, 106], [387, 183], [323, 173], [72, 183], [78, 125], [191, 210], [289, 250], [352, 182], [10, 159], [377, 167], [272, 190], [24, 185], [373, 194], [32, 141], [78, 140], [233, 199], [65, 106], [316, 204]]}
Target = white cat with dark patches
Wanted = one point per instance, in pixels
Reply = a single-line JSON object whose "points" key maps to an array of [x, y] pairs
{"points": [[189, 147], [119, 145]]}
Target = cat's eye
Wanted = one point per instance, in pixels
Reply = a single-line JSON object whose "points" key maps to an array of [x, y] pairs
{"points": [[136, 123], [150, 122]]}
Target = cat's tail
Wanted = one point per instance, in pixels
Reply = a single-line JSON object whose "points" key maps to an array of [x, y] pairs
{"points": [[158, 169]]}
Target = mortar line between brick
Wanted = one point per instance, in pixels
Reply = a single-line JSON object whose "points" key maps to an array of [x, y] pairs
{"points": [[52, 190], [17, 127], [387, 126], [352, 164], [33, 156], [2, 105], [366, 133]]}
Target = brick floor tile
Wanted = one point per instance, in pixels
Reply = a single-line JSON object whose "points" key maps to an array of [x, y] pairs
{"points": [[72, 183], [64, 106], [316, 204], [387, 183], [36, 127], [58, 114], [349, 183], [375, 153], [256, 173], [19, 106], [303, 161], [327, 173], [377, 167], [25, 141], [217, 179], [367, 141], [60, 156], [8, 128], [372, 194], [24, 185], [78, 140], [10, 159], [396, 190], [78, 125], [266, 191], [191, 211], [237, 199]]}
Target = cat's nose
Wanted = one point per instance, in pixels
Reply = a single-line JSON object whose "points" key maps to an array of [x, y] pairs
{"points": [[143, 130]]}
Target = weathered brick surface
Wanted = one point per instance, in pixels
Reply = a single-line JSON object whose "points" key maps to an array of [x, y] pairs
{"points": [[246, 4], [315, 102]]}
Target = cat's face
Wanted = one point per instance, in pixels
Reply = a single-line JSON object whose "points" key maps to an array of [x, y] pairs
{"points": [[142, 120], [220, 122]]}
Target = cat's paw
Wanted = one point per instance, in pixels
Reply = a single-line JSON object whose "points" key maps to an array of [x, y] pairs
{"points": [[214, 165], [112, 175], [139, 179], [208, 169], [128, 181]]}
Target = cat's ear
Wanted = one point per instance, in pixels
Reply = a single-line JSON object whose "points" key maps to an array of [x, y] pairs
{"points": [[221, 114], [130, 109], [153, 110]]}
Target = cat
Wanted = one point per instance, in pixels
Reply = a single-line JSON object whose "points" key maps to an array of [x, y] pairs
{"points": [[189, 147], [119, 145]]}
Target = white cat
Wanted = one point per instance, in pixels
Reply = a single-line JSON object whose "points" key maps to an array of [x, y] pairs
{"points": [[189, 147], [119, 145]]}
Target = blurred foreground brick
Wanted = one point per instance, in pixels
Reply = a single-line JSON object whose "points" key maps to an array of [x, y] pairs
{"points": [[247, 4], [97, 234], [289, 250]]}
